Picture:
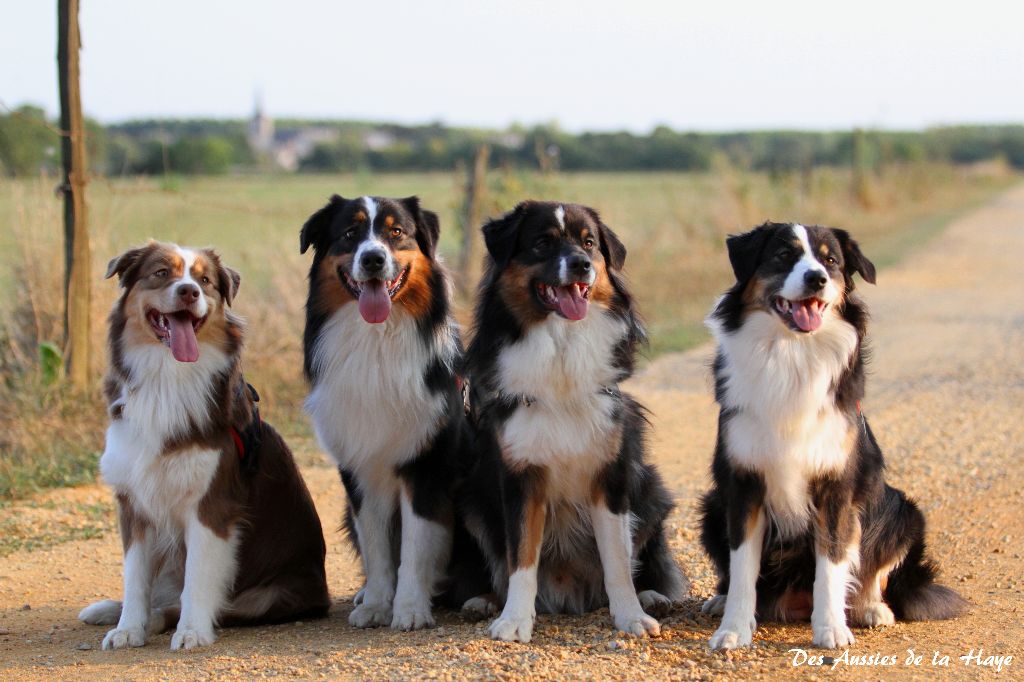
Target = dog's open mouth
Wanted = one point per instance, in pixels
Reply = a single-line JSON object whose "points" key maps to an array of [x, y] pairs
{"points": [[804, 315], [177, 331], [374, 295], [569, 300]]}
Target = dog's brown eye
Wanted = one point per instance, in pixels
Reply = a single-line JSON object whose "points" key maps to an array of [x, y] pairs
{"points": [[396, 232], [206, 280], [542, 243], [161, 273], [588, 243], [831, 260], [350, 234]]}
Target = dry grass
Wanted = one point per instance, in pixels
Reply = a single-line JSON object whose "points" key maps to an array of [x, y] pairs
{"points": [[673, 225]]}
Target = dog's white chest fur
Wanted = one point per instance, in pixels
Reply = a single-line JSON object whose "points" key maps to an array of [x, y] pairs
{"points": [[370, 406], [786, 426], [165, 399], [562, 367]]}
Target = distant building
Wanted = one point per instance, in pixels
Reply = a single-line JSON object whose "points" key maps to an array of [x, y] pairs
{"points": [[285, 149]]}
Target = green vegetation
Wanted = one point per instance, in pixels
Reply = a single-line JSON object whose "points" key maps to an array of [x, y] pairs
{"points": [[673, 224]]}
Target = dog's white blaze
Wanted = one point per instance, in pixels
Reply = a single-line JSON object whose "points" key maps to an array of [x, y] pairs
{"points": [[560, 217], [370, 406], [424, 552], [516, 620], [614, 534], [786, 426], [563, 367], [793, 288], [372, 243], [738, 621], [563, 270]]}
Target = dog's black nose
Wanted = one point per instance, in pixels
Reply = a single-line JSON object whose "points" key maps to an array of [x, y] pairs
{"points": [[815, 280], [372, 261], [578, 264], [189, 293]]}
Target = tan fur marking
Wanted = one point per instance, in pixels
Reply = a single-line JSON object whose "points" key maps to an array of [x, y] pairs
{"points": [[218, 510], [415, 295], [515, 286], [133, 527], [330, 293], [389, 221], [534, 513], [602, 290]]}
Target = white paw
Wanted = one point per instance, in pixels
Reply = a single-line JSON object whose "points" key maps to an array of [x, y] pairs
{"points": [[479, 608], [832, 636], [412, 617], [106, 612], [714, 606], [190, 638], [637, 624], [122, 639], [733, 635], [877, 615], [512, 629], [654, 603], [368, 615], [358, 599]]}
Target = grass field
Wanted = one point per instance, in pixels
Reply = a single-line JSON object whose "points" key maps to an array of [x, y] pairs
{"points": [[672, 224]]}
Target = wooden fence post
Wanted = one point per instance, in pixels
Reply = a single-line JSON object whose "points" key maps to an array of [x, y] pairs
{"points": [[77, 260], [470, 267]]}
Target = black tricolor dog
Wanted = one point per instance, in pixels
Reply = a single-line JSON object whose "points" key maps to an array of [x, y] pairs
{"points": [[382, 355], [800, 521], [567, 511]]}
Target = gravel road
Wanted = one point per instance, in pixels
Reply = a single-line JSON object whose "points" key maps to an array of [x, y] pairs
{"points": [[945, 398]]}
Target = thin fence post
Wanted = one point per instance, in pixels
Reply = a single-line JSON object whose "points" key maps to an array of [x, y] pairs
{"points": [[77, 259], [471, 261]]}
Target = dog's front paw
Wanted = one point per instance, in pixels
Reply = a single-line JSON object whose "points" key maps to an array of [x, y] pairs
{"points": [[637, 624], [513, 629], [412, 617], [876, 615], [832, 636], [654, 602], [714, 606], [370, 615], [191, 638], [478, 608], [733, 635], [123, 638]]}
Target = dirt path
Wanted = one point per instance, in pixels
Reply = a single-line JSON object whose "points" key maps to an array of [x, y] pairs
{"points": [[946, 398]]}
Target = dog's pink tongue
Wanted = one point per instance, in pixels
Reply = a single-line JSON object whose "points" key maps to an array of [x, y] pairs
{"points": [[571, 302], [807, 314], [183, 337], [374, 302]]}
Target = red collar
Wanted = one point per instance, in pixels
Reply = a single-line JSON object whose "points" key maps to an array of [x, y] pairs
{"points": [[237, 437]]}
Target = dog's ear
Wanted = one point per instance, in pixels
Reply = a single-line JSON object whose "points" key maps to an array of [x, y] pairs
{"points": [[501, 233], [853, 259], [612, 248], [745, 250], [127, 264], [316, 227], [228, 281], [428, 226]]}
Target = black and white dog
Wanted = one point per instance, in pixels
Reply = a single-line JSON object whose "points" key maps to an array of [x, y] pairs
{"points": [[382, 354], [800, 521], [562, 502]]}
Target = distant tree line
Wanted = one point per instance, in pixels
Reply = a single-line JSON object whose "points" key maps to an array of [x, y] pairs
{"points": [[29, 144]]}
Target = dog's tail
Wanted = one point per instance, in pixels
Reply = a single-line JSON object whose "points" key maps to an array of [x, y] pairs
{"points": [[912, 592]]}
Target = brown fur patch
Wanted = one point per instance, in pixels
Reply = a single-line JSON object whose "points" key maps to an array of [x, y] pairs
{"points": [[389, 221], [328, 291], [133, 526], [534, 513], [515, 284], [219, 510], [415, 295], [602, 291]]}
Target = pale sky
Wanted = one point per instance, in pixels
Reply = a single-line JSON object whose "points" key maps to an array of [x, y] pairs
{"points": [[589, 65]]}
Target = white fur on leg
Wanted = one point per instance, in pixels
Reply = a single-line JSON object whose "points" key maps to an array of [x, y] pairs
{"points": [[373, 527], [828, 619], [738, 623], [615, 545], [138, 582], [425, 549], [516, 620], [105, 612], [210, 567]]}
